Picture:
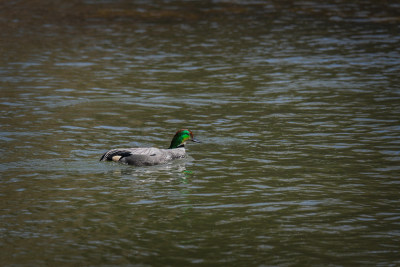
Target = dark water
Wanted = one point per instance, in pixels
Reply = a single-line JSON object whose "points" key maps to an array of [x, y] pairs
{"points": [[297, 105]]}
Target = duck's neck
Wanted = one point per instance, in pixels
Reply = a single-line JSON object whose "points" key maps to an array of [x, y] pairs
{"points": [[181, 145]]}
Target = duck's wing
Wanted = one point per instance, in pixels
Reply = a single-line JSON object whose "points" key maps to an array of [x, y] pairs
{"points": [[143, 156], [118, 153]]}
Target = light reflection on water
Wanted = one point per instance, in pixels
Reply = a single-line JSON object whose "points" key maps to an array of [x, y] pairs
{"points": [[297, 110]]}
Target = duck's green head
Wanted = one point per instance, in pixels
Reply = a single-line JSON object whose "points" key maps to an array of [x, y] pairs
{"points": [[181, 137]]}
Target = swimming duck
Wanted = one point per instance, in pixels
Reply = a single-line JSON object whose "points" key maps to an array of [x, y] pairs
{"points": [[148, 156]]}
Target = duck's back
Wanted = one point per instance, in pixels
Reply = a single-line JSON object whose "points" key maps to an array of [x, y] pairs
{"points": [[145, 156]]}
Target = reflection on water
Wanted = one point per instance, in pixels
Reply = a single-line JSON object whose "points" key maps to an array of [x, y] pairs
{"points": [[296, 103]]}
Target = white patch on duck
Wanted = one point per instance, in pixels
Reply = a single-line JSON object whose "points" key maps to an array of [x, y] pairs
{"points": [[116, 158]]}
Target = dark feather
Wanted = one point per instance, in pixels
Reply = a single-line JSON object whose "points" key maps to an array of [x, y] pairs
{"points": [[110, 154]]}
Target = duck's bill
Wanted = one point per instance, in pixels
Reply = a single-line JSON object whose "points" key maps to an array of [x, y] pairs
{"points": [[195, 140]]}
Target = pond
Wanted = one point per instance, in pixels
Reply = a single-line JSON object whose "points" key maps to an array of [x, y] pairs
{"points": [[297, 105]]}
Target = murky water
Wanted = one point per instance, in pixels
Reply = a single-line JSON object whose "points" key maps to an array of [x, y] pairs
{"points": [[297, 105]]}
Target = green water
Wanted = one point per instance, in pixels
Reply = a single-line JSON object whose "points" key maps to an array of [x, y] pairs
{"points": [[297, 105]]}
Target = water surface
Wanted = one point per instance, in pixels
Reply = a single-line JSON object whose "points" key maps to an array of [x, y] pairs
{"points": [[297, 105]]}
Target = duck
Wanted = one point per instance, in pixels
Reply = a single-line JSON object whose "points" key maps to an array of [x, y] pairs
{"points": [[149, 156]]}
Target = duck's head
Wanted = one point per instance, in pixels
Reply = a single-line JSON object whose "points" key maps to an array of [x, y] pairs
{"points": [[181, 137]]}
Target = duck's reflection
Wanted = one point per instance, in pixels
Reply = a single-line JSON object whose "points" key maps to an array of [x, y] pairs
{"points": [[170, 172]]}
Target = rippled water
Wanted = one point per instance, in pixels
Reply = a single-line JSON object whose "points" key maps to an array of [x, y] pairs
{"points": [[297, 105]]}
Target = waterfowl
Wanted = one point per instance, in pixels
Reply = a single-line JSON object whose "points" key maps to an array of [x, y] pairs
{"points": [[148, 156]]}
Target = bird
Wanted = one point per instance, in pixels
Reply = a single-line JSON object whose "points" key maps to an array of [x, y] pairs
{"points": [[149, 156]]}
